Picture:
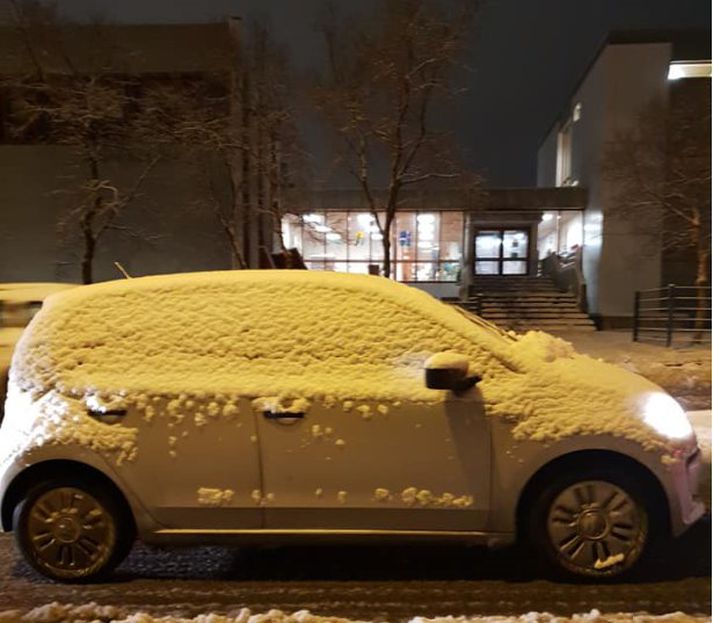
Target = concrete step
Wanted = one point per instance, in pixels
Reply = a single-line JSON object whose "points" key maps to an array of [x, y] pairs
{"points": [[533, 314], [558, 303], [523, 295]]}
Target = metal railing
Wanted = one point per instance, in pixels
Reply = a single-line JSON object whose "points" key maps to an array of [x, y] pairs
{"points": [[566, 273], [673, 315]]}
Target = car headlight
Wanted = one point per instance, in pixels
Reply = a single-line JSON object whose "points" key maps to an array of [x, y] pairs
{"points": [[666, 417]]}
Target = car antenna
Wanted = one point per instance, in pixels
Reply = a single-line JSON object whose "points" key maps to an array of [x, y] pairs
{"points": [[122, 270]]}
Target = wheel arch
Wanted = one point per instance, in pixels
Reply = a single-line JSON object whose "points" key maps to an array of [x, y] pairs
{"points": [[58, 468], [582, 459]]}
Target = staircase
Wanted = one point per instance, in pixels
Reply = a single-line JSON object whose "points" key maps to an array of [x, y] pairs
{"points": [[526, 303]]}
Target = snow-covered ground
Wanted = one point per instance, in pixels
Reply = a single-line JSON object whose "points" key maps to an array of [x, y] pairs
{"points": [[684, 372], [91, 613]]}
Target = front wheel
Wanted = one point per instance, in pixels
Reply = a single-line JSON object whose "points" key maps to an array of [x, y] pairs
{"points": [[595, 525], [70, 531]]}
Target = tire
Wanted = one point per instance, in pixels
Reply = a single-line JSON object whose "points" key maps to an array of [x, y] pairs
{"points": [[593, 524], [71, 530]]}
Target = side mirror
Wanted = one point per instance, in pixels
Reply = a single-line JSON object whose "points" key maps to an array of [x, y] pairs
{"points": [[449, 371]]}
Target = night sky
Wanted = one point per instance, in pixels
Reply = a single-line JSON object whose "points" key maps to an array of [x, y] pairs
{"points": [[526, 57]]}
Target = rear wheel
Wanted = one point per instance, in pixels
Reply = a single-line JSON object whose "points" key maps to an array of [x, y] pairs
{"points": [[594, 525], [71, 531]]}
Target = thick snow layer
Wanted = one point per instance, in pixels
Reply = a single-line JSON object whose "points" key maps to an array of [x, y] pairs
{"points": [[92, 612], [447, 360], [289, 338]]}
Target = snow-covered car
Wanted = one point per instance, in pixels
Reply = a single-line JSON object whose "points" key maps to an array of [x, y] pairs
{"points": [[270, 405], [18, 303]]}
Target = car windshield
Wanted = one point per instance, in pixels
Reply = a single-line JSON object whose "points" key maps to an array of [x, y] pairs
{"points": [[484, 324]]}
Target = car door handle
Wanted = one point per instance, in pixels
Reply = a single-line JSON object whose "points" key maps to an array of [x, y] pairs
{"points": [[282, 415], [108, 416]]}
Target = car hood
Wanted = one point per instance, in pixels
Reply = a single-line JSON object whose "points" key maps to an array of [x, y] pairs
{"points": [[553, 392]]}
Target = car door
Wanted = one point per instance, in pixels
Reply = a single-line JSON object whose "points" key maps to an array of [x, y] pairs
{"points": [[372, 453], [196, 465], [377, 466]]}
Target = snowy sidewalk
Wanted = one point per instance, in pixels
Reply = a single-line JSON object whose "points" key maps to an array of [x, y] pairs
{"points": [[684, 372], [91, 613]]}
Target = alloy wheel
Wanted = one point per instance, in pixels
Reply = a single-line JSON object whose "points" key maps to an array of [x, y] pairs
{"points": [[596, 527], [70, 533]]}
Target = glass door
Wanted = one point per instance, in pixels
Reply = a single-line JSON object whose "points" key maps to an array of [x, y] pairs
{"points": [[501, 251]]}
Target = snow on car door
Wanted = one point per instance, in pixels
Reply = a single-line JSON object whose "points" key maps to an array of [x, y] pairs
{"points": [[377, 466]]}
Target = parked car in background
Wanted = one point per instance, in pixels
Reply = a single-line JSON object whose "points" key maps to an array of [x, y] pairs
{"points": [[273, 405], [19, 302]]}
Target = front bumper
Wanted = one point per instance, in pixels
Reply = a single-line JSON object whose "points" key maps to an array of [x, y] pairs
{"points": [[686, 506]]}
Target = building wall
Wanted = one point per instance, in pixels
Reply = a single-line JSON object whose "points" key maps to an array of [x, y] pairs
{"points": [[168, 228], [547, 160], [630, 259], [617, 258]]}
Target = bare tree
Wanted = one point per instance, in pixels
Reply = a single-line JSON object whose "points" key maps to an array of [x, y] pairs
{"points": [[85, 103], [388, 76], [659, 170], [243, 120]]}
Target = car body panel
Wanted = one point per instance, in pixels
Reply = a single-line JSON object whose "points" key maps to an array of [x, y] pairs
{"points": [[201, 475], [409, 467]]}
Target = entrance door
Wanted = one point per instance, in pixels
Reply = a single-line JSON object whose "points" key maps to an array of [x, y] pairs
{"points": [[501, 251]]}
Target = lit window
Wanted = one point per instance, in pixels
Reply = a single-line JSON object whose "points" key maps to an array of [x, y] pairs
{"points": [[564, 155], [695, 69]]}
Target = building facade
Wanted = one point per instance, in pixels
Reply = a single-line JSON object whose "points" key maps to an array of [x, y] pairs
{"points": [[630, 73], [442, 242]]}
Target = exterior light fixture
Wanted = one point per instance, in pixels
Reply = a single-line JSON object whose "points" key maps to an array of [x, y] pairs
{"points": [[689, 69]]}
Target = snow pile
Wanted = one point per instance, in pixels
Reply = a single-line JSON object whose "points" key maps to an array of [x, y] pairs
{"points": [[286, 339], [92, 612]]}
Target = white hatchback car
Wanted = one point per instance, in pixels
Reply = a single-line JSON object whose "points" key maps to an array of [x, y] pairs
{"points": [[254, 405]]}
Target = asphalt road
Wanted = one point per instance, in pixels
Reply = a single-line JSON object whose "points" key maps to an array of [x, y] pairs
{"points": [[368, 582]]}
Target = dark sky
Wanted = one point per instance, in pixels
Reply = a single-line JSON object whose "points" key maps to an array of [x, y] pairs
{"points": [[527, 55]]}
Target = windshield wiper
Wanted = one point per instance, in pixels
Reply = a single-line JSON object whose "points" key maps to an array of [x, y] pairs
{"points": [[481, 322]]}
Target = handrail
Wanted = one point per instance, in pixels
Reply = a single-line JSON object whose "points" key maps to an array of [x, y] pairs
{"points": [[567, 275]]}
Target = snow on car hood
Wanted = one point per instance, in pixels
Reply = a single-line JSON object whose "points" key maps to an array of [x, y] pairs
{"points": [[288, 335]]}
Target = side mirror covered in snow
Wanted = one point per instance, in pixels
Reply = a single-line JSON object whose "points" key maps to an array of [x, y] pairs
{"points": [[449, 370]]}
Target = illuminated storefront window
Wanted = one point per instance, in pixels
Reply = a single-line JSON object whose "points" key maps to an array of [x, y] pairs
{"points": [[425, 246]]}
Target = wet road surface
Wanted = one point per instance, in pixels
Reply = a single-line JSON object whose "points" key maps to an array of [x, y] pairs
{"points": [[369, 582]]}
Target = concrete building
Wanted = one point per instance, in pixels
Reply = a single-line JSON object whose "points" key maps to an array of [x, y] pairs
{"points": [[171, 224], [628, 73]]}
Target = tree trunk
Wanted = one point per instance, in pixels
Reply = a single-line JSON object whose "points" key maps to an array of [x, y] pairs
{"points": [[386, 243], [245, 198], [88, 255]]}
